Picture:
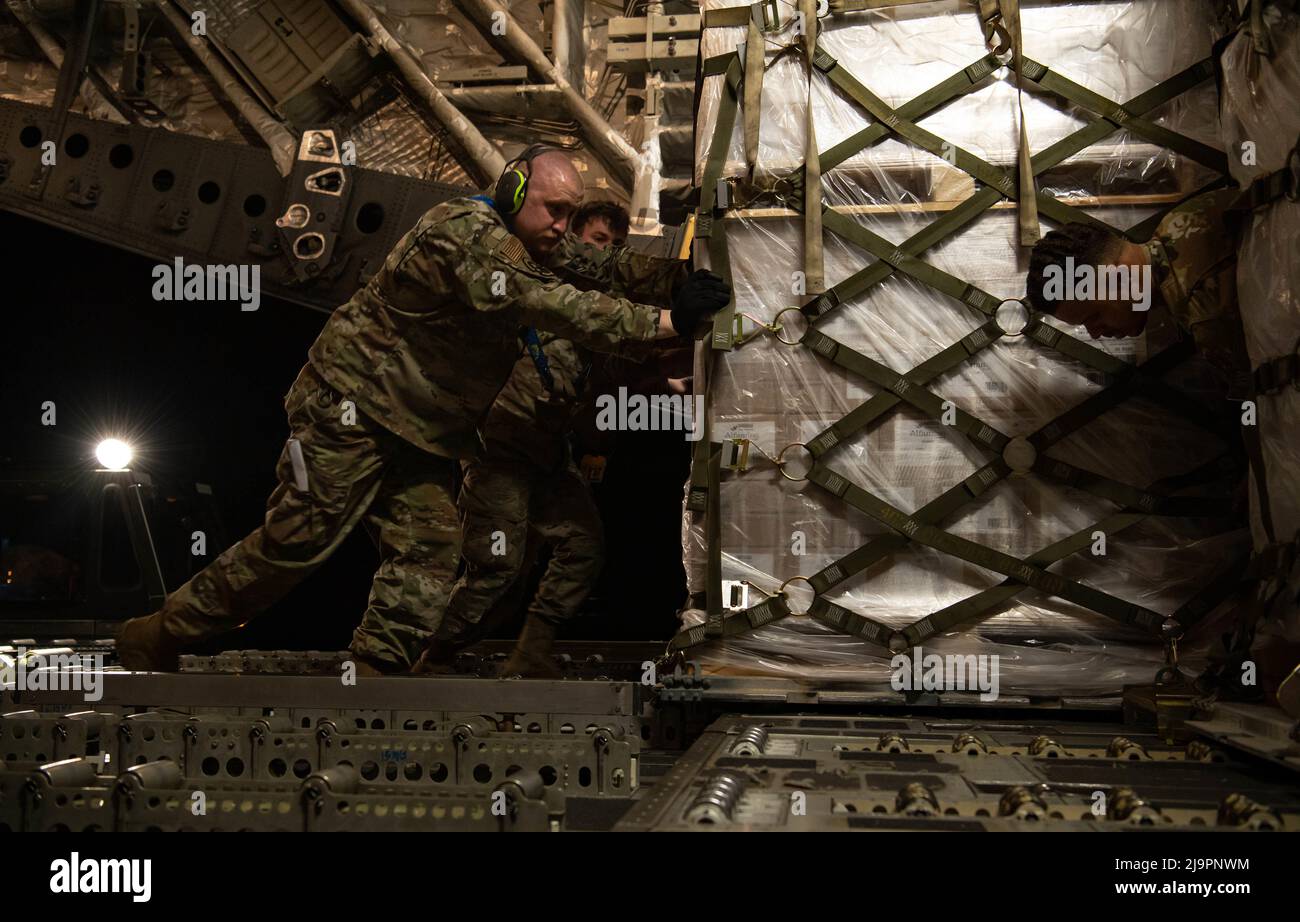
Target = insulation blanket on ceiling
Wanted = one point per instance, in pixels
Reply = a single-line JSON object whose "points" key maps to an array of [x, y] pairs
{"points": [[774, 395]]}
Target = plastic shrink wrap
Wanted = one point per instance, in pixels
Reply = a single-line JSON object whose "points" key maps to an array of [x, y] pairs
{"points": [[773, 394], [1261, 131]]}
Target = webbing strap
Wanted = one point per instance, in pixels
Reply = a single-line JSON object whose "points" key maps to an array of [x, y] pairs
{"points": [[985, 603], [953, 499], [1121, 117], [718, 64], [728, 16], [813, 263], [963, 159], [1054, 338], [1143, 378], [709, 225], [722, 129], [1130, 497], [770, 610], [1281, 183], [1027, 196], [533, 343], [997, 186], [848, 622], [903, 386], [939, 363], [697, 497], [1271, 375], [1255, 452], [970, 209], [922, 271], [839, 7], [979, 555], [938, 95], [723, 333], [864, 279], [1141, 104], [712, 228], [1120, 494], [1119, 390], [932, 513], [753, 90], [713, 540]]}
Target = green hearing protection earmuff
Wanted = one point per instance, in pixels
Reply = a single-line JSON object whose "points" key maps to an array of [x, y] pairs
{"points": [[512, 187]]}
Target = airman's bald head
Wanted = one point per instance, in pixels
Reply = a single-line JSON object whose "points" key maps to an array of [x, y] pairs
{"points": [[554, 193]]}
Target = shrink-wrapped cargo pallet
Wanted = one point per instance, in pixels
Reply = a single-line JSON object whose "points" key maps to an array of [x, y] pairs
{"points": [[936, 509]]}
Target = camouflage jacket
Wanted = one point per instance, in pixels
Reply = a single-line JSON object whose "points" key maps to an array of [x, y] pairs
{"points": [[530, 420], [1194, 258], [426, 345]]}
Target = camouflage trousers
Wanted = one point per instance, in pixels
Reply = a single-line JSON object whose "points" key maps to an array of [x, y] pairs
{"points": [[501, 498], [356, 471]]}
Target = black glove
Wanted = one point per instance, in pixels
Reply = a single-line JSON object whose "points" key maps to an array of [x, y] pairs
{"points": [[701, 295]]}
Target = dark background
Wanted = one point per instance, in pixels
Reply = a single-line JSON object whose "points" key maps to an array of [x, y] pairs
{"points": [[199, 389]]}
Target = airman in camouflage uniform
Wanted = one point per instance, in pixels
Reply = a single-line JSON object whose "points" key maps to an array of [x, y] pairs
{"points": [[1193, 257], [526, 479], [394, 389]]}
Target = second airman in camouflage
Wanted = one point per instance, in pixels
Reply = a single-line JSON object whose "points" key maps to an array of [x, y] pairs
{"points": [[527, 481], [1193, 256]]}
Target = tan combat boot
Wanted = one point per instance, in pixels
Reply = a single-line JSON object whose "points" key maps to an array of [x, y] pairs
{"points": [[531, 657], [143, 645]]}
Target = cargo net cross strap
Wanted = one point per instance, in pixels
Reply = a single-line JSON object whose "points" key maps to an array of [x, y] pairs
{"points": [[1201, 491]]}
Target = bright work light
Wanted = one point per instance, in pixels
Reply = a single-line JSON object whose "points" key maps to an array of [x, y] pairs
{"points": [[114, 454]]}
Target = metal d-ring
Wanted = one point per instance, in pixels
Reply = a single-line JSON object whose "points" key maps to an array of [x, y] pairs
{"points": [[1029, 315], [780, 591], [780, 463], [776, 322]]}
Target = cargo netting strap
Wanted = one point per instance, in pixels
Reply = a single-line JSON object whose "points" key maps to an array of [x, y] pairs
{"points": [[813, 263], [1000, 20], [801, 191]]}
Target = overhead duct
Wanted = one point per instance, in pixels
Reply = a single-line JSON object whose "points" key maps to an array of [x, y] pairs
{"points": [[461, 131], [618, 157]]}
